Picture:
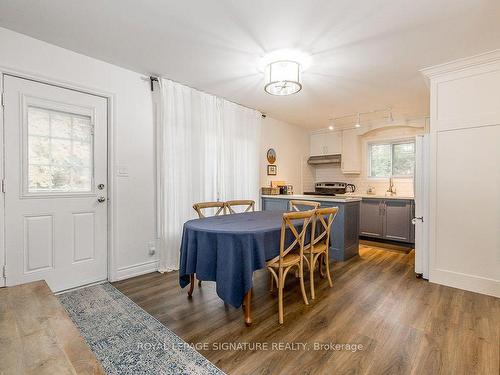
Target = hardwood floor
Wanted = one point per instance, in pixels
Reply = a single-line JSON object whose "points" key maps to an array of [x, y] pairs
{"points": [[38, 337], [405, 325]]}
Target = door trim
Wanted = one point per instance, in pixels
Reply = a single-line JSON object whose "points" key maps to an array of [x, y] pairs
{"points": [[110, 97]]}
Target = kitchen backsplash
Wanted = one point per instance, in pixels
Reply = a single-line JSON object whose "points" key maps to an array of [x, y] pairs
{"points": [[404, 186], [308, 177]]}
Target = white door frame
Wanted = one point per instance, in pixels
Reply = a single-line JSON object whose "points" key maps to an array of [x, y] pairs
{"points": [[110, 97], [421, 189]]}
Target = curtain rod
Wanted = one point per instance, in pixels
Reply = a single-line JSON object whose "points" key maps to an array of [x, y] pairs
{"points": [[153, 79]]}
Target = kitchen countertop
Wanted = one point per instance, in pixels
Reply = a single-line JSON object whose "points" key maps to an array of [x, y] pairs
{"points": [[377, 196], [323, 198], [339, 197]]}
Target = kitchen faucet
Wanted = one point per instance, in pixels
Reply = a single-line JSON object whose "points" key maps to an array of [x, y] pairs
{"points": [[391, 190]]}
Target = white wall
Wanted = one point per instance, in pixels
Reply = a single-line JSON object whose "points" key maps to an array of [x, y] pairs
{"points": [[134, 134], [465, 174], [292, 149], [404, 186]]}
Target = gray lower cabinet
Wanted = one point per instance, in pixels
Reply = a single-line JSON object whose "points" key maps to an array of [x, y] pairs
{"points": [[371, 223], [388, 219], [397, 220]]}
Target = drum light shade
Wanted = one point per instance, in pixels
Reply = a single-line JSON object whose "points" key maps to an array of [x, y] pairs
{"points": [[282, 78]]}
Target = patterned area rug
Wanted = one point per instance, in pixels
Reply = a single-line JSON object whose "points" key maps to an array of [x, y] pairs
{"points": [[126, 339]]}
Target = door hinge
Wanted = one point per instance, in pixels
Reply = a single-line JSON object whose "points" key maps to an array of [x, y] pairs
{"points": [[4, 272], [3, 186], [3, 99]]}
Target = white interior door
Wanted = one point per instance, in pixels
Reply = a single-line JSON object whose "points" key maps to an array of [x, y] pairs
{"points": [[421, 219], [55, 184]]}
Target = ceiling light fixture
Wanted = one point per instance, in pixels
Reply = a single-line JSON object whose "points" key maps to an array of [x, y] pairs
{"points": [[283, 78], [330, 127], [282, 71]]}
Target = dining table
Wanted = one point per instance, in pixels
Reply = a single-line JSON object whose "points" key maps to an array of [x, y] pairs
{"points": [[228, 249]]}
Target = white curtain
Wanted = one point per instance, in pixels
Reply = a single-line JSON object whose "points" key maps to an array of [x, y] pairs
{"points": [[208, 151], [239, 152]]}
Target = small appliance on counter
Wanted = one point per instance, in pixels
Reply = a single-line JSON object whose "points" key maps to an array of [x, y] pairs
{"points": [[331, 188], [350, 188], [286, 189]]}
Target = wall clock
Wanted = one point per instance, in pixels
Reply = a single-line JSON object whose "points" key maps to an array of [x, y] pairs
{"points": [[271, 156]]}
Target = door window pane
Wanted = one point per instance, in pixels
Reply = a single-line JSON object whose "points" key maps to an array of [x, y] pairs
{"points": [[59, 152]]}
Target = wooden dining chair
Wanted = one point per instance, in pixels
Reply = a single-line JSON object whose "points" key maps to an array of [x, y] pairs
{"points": [[295, 205], [318, 248], [288, 257], [220, 209], [249, 206]]}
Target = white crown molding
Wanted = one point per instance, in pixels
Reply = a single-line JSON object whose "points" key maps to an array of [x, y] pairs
{"points": [[460, 64]]}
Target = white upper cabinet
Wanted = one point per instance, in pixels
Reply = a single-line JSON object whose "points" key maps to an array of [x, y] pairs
{"points": [[351, 152], [334, 143], [317, 144], [328, 143]]}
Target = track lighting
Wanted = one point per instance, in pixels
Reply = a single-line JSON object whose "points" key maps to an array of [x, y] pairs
{"points": [[358, 123]]}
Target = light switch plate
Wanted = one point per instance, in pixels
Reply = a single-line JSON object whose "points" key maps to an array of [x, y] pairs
{"points": [[122, 171]]}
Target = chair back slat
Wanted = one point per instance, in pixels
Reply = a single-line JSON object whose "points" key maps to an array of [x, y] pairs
{"points": [[291, 222], [219, 206], [326, 225], [294, 205], [249, 205]]}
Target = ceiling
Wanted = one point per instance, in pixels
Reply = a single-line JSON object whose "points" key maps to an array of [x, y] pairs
{"points": [[365, 54]]}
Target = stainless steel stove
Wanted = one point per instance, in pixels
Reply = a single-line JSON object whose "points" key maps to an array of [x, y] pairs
{"points": [[331, 188]]}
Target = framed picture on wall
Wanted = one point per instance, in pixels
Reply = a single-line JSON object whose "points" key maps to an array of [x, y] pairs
{"points": [[271, 156], [272, 170]]}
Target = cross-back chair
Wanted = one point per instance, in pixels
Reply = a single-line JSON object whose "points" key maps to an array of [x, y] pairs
{"points": [[220, 209], [249, 205], [318, 248], [288, 257], [218, 206], [295, 205]]}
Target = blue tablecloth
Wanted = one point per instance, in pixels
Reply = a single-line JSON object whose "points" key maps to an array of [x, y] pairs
{"points": [[228, 249]]}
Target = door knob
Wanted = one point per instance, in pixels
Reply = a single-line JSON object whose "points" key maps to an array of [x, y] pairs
{"points": [[414, 220], [101, 199]]}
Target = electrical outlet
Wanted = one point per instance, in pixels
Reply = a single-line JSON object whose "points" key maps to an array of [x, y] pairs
{"points": [[152, 247]]}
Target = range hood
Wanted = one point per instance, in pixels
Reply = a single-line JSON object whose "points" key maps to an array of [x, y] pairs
{"points": [[325, 159]]}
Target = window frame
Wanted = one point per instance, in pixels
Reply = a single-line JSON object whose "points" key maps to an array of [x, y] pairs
{"points": [[391, 143]]}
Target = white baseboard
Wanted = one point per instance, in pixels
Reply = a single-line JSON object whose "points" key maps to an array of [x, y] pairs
{"points": [[464, 281], [136, 270]]}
